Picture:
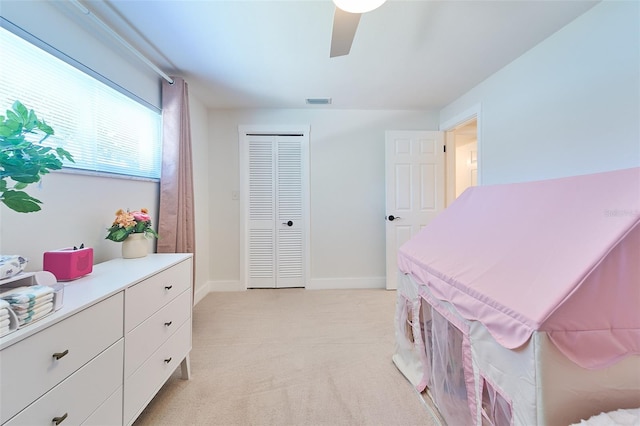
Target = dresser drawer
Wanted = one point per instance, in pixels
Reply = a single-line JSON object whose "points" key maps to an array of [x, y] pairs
{"points": [[146, 297], [145, 382], [29, 368], [109, 413], [143, 340], [80, 395]]}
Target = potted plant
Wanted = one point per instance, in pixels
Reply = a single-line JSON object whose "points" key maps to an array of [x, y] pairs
{"points": [[23, 158], [132, 229]]}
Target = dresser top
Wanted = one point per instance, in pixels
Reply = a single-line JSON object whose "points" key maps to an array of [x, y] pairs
{"points": [[106, 279]]}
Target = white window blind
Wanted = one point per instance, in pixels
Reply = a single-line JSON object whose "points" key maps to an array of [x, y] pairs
{"points": [[103, 129]]}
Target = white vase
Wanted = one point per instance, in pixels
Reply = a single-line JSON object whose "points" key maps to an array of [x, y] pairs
{"points": [[136, 245]]}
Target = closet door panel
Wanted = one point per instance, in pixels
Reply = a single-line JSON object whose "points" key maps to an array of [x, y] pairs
{"points": [[261, 211], [289, 205]]}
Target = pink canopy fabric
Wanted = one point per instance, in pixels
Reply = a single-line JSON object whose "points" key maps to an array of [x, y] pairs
{"points": [[560, 256]]}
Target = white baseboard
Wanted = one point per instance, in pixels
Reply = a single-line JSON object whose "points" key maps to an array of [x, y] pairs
{"points": [[200, 292], [312, 284], [346, 283], [211, 286], [226, 286]]}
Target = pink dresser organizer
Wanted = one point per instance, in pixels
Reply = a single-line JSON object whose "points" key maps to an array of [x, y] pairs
{"points": [[68, 264]]}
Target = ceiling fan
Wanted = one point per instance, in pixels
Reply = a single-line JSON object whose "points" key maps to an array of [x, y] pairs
{"points": [[345, 23]]}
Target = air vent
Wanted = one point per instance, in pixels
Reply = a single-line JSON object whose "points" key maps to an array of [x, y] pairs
{"points": [[318, 101]]}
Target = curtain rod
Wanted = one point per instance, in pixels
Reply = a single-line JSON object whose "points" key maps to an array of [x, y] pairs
{"points": [[122, 41]]}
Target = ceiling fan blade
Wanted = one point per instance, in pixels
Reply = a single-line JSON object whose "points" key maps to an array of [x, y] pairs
{"points": [[345, 25]]}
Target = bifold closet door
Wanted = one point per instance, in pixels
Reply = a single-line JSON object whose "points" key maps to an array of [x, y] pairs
{"points": [[275, 255]]}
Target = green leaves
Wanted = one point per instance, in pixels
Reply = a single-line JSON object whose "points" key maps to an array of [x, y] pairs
{"points": [[20, 201], [64, 155], [150, 231], [140, 227], [10, 127], [119, 234], [23, 161]]}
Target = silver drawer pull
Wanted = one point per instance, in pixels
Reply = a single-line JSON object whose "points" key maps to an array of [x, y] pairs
{"points": [[59, 355], [58, 420], [168, 360], [168, 287], [168, 323]]}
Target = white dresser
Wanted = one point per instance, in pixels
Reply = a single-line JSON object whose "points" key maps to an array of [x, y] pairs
{"points": [[122, 331]]}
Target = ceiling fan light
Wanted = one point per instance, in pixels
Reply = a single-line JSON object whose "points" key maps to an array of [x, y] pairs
{"points": [[358, 6]]}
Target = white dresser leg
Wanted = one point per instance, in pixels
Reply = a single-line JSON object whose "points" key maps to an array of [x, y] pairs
{"points": [[185, 366]]}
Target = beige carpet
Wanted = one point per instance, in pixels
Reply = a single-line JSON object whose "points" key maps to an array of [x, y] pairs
{"points": [[291, 357]]}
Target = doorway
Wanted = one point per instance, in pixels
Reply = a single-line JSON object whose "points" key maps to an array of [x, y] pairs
{"points": [[463, 159], [426, 171]]}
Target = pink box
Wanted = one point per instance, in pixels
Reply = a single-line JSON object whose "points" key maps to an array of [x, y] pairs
{"points": [[68, 264]]}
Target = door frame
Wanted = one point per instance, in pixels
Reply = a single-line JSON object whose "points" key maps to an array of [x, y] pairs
{"points": [[449, 126], [278, 130]]}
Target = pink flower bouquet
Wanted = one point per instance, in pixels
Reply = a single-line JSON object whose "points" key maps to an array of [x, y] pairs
{"points": [[127, 222]]}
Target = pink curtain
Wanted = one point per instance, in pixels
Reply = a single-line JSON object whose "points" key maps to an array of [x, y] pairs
{"points": [[176, 215]]}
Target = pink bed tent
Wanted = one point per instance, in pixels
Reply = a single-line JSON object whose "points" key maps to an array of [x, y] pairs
{"points": [[520, 303]]}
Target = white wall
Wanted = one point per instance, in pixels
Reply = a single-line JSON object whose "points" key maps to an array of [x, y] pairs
{"points": [[200, 153], [569, 106], [347, 178], [466, 163], [75, 209]]}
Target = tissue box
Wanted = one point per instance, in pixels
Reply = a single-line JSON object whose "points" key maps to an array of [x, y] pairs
{"points": [[68, 264]]}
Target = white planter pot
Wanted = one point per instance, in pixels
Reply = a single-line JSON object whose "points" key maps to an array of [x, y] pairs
{"points": [[136, 245]]}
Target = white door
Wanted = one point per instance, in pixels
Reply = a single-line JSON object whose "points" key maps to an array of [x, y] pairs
{"points": [[274, 243], [414, 188]]}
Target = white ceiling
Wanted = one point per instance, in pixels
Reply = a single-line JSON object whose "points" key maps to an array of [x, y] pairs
{"points": [[274, 54]]}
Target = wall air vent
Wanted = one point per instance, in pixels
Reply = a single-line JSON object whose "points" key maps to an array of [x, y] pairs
{"points": [[318, 101]]}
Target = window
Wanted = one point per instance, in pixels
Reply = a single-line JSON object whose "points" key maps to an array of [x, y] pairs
{"points": [[104, 130], [496, 409]]}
